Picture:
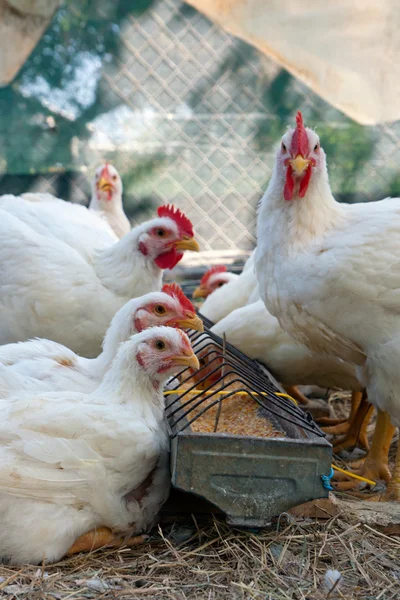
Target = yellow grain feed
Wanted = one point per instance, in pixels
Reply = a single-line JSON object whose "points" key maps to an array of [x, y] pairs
{"points": [[239, 415]]}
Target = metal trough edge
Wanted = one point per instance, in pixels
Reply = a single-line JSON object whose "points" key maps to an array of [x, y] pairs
{"points": [[250, 479]]}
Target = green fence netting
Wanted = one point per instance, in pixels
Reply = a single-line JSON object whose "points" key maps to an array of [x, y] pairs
{"points": [[186, 112]]}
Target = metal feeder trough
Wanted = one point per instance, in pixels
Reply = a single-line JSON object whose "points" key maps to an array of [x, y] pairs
{"points": [[250, 479]]}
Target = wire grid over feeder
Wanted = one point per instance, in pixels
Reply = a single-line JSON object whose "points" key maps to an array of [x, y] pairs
{"points": [[238, 442], [231, 394]]}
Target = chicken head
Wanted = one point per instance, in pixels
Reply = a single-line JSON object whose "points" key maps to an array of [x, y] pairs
{"points": [[163, 351], [107, 186], [167, 236], [213, 279], [170, 307], [299, 155]]}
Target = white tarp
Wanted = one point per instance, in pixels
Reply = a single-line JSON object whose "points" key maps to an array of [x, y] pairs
{"points": [[347, 51], [22, 24]]}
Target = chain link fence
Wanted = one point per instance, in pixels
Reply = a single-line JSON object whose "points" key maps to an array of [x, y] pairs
{"points": [[186, 112]]}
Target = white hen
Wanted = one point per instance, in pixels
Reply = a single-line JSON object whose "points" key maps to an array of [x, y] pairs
{"points": [[48, 290], [106, 199], [72, 462], [105, 212], [81, 229], [258, 334], [42, 365], [234, 294], [329, 272], [216, 277]]}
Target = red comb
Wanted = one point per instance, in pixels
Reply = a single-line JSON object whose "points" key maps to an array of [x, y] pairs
{"points": [[105, 172], [216, 269], [184, 225], [299, 143], [173, 290]]}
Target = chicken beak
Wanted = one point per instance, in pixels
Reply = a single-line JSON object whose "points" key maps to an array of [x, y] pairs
{"points": [[104, 184], [299, 164], [187, 360], [188, 243], [200, 292], [191, 322]]}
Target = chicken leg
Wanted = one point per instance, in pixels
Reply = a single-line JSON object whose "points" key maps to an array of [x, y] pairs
{"points": [[392, 493], [102, 536], [296, 394], [357, 433], [376, 464], [341, 426]]}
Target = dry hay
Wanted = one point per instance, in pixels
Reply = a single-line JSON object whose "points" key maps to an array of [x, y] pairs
{"points": [[211, 561]]}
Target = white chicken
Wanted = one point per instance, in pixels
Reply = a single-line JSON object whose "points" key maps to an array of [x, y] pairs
{"points": [[105, 203], [48, 290], [232, 295], [258, 334], [254, 331], [214, 278], [329, 271], [73, 462], [42, 365], [242, 292], [106, 199], [81, 229]]}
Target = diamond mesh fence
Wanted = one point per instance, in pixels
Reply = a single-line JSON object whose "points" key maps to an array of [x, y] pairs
{"points": [[186, 112]]}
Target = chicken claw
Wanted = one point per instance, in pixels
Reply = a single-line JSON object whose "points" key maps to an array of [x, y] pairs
{"points": [[392, 493], [334, 426], [357, 432], [100, 537], [355, 428], [293, 391], [376, 464]]}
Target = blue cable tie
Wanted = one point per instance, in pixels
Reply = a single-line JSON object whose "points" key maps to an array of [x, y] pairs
{"points": [[326, 480]]}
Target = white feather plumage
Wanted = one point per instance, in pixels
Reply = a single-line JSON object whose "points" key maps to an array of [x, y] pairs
{"points": [[48, 290], [329, 273], [42, 365], [68, 460]]}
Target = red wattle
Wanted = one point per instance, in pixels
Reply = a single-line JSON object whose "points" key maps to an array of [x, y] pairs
{"points": [[169, 259], [289, 185], [305, 182]]}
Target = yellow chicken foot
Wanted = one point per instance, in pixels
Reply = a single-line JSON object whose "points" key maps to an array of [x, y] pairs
{"points": [[392, 493], [341, 426], [296, 394], [333, 426], [100, 537], [356, 435], [376, 464]]}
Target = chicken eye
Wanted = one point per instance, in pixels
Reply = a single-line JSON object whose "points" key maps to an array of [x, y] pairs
{"points": [[160, 345], [316, 147], [159, 309], [114, 178], [220, 284], [283, 147], [160, 232]]}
